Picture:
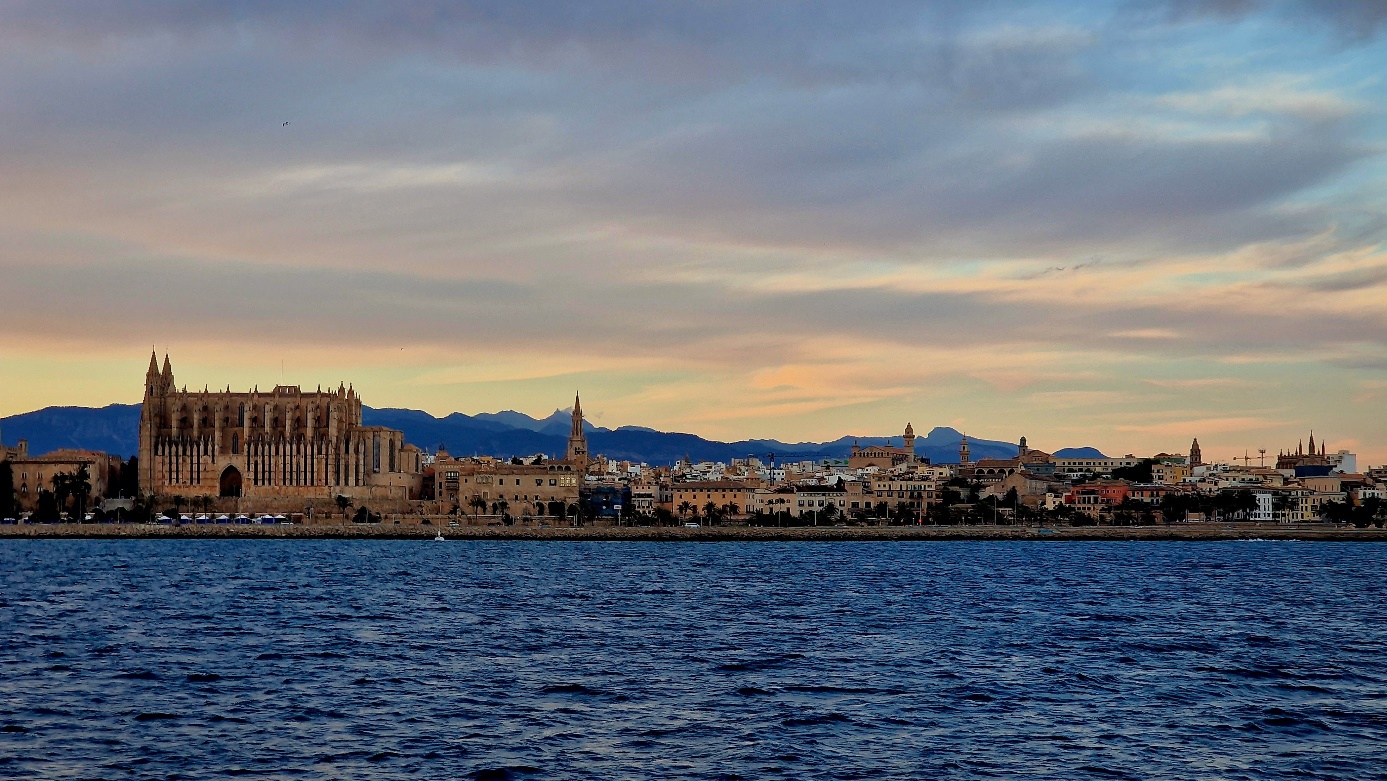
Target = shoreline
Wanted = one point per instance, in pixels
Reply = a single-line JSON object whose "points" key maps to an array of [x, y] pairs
{"points": [[1194, 532]]}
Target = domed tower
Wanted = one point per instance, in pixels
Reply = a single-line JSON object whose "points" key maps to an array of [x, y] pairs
{"points": [[909, 440]]}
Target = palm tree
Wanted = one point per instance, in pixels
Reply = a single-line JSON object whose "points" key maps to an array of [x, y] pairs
{"points": [[710, 511], [1281, 506], [684, 508], [478, 505], [342, 504]]}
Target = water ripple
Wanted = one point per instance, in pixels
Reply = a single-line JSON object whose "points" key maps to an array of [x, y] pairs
{"points": [[510, 660]]}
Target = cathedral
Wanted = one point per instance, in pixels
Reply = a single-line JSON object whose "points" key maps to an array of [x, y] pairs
{"points": [[283, 443], [1299, 459]]}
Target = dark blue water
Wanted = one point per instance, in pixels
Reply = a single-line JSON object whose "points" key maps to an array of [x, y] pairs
{"points": [[375, 660]]}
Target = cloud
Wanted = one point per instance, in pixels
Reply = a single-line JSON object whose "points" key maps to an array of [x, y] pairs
{"points": [[980, 209]]}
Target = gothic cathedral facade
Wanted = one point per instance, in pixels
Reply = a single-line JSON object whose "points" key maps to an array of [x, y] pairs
{"points": [[282, 444]]}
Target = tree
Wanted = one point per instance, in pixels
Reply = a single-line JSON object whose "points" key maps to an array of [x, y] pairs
{"points": [[1125, 512], [478, 505], [902, 512], [1138, 473], [47, 506], [1175, 507], [130, 478], [7, 503], [710, 511], [75, 486], [830, 512], [342, 504], [1336, 512], [1374, 510], [1281, 506], [684, 508]]}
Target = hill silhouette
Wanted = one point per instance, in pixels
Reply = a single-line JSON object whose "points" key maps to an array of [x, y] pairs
{"points": [[114, 429]]}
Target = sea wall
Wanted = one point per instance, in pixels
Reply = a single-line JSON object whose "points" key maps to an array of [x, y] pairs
{"points": [[390, 530]]}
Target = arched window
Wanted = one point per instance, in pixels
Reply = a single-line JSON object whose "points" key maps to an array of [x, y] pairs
{"points": [[241, 415], [236, 443]]}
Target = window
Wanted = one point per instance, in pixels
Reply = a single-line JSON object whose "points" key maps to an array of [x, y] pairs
{"points": [[375, 453], [235, 443]]}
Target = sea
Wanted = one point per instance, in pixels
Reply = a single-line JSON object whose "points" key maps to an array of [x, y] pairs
{"points": [[295, 659]]}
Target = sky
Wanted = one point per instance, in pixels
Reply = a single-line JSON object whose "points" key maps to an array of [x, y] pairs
{"points": [[1121, 224]]}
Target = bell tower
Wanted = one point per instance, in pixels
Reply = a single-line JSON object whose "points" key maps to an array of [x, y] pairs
{"points": [[577, 438], [909, 441]]}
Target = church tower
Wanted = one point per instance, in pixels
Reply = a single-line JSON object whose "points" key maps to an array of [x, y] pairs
{"points": [[963, 451], [1022, 449], [151, 413], [909, 440], [577, 438], [1196, 458]]}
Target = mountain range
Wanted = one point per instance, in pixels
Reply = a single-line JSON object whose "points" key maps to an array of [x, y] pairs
{"points": [[115, 429]]}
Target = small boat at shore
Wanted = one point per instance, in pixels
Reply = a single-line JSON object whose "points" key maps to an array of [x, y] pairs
{"points": [[439, 537]]}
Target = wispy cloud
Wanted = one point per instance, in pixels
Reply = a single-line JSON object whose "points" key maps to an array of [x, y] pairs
{"points": [[774, 218]]}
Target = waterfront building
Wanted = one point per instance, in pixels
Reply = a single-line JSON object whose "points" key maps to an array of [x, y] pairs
{"points": [[284, 443], [533, 486], [723, 493], [34, 474], [914, 491], [1093, 499], [488, 486]]}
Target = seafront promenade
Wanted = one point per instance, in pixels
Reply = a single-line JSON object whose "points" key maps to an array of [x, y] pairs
{"points": [[1188, 531]]}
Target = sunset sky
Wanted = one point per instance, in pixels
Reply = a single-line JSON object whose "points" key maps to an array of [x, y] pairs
{"points": [[1119, 224]]}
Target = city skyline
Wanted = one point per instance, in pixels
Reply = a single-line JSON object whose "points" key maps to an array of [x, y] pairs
{"points": [[1122, 226]]}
